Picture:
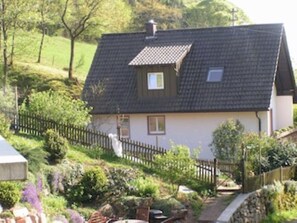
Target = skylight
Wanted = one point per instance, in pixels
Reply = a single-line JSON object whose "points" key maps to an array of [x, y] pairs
{"points": [[215, 74]]}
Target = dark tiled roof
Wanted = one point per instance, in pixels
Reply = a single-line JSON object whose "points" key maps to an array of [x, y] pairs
{"points": [[248, 54], [161, 54]]}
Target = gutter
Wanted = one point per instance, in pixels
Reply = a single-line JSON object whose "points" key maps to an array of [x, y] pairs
{"points": [[259, 123]]}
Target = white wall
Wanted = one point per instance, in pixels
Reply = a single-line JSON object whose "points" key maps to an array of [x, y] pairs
{"points": [[282, 107], [191, 129]]}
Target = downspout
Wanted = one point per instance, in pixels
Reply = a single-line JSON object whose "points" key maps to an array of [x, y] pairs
{"points": [[259, 123]]}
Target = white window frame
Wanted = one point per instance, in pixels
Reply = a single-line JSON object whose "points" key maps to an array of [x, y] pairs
{"points": [[156, 118], [154, 85], [214, 70]]}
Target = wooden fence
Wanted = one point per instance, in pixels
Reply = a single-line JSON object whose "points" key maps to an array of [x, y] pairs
{"points": [[252, 183], [132, 150]]}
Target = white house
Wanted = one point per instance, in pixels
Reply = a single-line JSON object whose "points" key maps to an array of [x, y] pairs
{"points": [[179, 85]]}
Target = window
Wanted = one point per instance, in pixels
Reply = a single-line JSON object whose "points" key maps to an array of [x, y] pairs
{"points": [[156, 125], [215, 74], [124, 124], [155, 81]]}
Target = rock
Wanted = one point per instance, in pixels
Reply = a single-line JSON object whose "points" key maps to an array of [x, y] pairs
{"points": [[108, 211], [20, 212], [42, 218]]}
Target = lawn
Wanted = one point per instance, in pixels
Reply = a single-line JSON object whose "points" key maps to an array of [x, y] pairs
{"points": [[55, 53]]}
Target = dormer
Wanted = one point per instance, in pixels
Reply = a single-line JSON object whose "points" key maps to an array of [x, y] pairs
{"points": [[157, 66]]}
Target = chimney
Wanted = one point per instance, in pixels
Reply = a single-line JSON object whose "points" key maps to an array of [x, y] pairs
{"points": [[151, 28]]}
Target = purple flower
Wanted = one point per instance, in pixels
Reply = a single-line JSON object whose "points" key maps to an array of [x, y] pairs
{"points": [[30, 195], [75, 217]]}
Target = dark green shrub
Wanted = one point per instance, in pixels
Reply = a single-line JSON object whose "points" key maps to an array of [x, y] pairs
{"points": [[4, 126], [145, 187], [91, 187], [119, 181], [10, 194], [226, 142], [56, 146]]}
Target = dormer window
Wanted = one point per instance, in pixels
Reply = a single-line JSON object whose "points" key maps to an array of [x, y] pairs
{"points": [[215, 74], [155, 81]]}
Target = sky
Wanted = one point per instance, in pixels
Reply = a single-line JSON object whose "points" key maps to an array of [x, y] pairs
{"points": [[274, 11]]}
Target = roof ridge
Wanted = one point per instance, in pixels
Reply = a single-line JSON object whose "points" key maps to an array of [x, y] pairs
{"points": [[195, 29]]}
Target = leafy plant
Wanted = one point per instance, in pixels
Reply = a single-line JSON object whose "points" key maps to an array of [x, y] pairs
{"points": [[69, 110], [30, 195], [4, 126], [56, 146], [145, 187], [90, 188], [176, 165], [226, 140], [10, 194]]}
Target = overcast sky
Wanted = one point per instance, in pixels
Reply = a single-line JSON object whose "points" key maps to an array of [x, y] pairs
{"points": [[274, 11]]}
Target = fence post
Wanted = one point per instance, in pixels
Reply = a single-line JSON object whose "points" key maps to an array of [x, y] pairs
{"points": [[281, 174], [243, 169], [215, 175]]}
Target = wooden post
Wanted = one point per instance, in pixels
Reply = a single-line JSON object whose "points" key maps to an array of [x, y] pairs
{"points": [[215, 175], [244, 189]]}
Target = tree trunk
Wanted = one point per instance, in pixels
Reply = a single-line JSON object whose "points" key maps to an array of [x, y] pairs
{"points": [[41, 44], [12, 44], [4, 50], [70, 71]]}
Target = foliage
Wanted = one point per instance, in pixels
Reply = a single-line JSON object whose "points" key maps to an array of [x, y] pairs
{"points": [[167, 17], [119, 182], [56, 146], [91, 187], [32, 150], [10, 194], [176, 165], [210, 13], [283, 201], [226, 140], [193, 200], [53, 204], [69, 110], [295, 113], [7, 101], [145, 187], [4, 126], [265, 153], [64, 175], [31, 195]]}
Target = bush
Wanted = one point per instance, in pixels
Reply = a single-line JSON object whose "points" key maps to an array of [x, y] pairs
{"points": [[119, 181], [145, 187], [10, 194], [90, 188], [69, 110], [176, 165], [226, 140], [56, 146], [4, 126]]}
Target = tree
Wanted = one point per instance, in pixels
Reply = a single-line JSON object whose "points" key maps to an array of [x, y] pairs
{"points": [[210, 13], [226, 140], [77, 16], [47, 10], [69, 110], [3, 14], [176, 165], [166, 16]]}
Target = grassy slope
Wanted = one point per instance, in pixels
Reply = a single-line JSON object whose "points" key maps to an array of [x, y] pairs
{"points": [[55, 54]]}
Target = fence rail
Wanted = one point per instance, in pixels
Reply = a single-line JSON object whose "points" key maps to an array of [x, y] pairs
{"points": [[132, 150], [253, 183]]}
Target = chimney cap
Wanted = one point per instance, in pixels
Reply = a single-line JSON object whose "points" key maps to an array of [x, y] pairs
{"points": [[151, 21]]}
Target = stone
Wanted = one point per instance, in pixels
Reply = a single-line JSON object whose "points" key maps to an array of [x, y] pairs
{"points": [[34, 218], [42, 218], [20, 212]]}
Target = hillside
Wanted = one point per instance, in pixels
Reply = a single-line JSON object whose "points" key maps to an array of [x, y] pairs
{"points": [[55, 54]]}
